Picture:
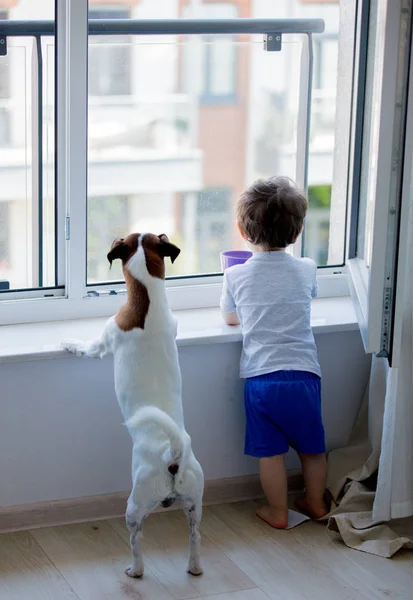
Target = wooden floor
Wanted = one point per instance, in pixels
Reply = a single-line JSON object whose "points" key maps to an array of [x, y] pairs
{"points": [[243, 559]]}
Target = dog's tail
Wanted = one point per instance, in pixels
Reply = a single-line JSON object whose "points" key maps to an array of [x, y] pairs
{"points": [[179, 440]]}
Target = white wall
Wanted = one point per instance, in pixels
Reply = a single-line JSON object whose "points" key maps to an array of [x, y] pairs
{"points": [[60, 427]]}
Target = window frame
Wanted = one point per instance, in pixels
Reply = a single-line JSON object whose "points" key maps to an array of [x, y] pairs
{"points": [[373, 287], [73, 298]]}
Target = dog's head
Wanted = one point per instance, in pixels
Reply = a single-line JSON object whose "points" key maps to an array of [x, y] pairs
{"points": [[155, 249]]}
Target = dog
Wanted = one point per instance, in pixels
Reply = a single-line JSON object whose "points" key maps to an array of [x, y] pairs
{"points": [[148, 385]]}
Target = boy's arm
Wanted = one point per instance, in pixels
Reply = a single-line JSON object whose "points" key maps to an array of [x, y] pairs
{"points": [[230, 318], [227, 304]]}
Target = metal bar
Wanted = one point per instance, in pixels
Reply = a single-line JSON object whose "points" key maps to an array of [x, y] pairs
{"points": [[310, 51], [309, 99], [56, 137], [303, 126], [170, 26], [39, 159]]}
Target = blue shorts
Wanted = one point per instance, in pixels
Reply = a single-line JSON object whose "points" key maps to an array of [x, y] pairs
{"points": [[283, 409]]}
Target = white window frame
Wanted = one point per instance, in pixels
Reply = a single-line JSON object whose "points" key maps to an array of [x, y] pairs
{"points": [[75, 301], [373, 287]]}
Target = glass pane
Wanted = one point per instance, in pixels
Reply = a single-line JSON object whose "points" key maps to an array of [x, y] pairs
{"points": [[27, 223], [371, 129], [173, 154], [320, 168], [232, 113], [49, 208]]}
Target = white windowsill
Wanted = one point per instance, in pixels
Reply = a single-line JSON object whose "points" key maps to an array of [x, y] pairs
{"points": [[35, 341]]}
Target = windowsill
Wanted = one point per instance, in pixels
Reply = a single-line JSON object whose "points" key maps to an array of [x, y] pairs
{"points": [[38, 341]]}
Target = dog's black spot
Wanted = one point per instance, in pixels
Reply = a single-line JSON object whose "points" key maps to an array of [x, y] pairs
{"points": [[167, 502], [173, 469]]}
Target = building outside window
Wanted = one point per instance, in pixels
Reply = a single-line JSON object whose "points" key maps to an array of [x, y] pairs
{"points": [[109, 57]]}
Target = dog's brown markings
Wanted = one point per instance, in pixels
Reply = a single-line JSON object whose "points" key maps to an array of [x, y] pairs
{"points": [[157, 248], [154, 262], [133, 313]]}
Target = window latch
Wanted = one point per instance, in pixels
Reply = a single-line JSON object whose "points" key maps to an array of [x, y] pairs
{"points": [[272, 42], [100, 293], [3, 45]]}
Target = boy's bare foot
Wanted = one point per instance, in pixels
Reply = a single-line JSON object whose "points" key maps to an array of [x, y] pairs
{"points": [[276, 518], [314, 511]]}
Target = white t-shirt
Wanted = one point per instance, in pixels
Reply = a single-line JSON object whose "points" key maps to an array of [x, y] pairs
{"points": [[271, 294]]}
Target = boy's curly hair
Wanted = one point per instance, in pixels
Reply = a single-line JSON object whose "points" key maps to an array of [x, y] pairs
{"points": [[271, 212]]}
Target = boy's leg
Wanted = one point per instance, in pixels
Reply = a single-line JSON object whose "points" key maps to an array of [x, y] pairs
{"points": [[315, 474], [274, 482]]}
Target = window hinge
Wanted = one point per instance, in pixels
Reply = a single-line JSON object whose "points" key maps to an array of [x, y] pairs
{"points": [[67, 228], [386, 324], [3, 45], [272, 42]]}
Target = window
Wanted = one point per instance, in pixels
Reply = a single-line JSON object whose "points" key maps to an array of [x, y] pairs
{"points": [[380, 186], [28, 241], [177, 125], [182, 164]]}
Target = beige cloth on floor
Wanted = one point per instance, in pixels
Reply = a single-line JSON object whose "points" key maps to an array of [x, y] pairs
{"points": [[352, 473]]}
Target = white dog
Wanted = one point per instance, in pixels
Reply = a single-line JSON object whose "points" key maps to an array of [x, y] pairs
{"points": [[141, 337]]}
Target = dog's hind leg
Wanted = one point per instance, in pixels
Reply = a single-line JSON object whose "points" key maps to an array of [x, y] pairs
{"points": [[193, 511], [134, 521]]}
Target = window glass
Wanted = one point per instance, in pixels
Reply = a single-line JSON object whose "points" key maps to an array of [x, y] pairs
{"points": [[177, 122], [27, 130]]}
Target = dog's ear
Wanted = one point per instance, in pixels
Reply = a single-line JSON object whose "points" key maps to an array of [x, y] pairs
{"points": [[118, 250], [165, 248]]}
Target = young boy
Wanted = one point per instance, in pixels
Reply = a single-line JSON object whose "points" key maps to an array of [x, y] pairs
{"points": [[270, 296]]}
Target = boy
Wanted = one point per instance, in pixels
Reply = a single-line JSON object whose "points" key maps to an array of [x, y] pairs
{"points": [[270, 296]]}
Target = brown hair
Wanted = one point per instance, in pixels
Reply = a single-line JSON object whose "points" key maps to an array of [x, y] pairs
{"points": [[271, 212]]}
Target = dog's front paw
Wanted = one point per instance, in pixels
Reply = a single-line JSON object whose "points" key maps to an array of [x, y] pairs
{"points": [[74, 347], [132, 572]]}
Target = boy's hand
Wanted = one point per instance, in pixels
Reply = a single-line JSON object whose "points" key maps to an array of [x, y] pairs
{"points": [[230, 318]]}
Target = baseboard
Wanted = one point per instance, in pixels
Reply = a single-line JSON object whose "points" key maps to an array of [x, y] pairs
{"points": [[107, 506]]}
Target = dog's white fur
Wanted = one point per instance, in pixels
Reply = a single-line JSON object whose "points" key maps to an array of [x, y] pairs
{"points": [[149, 391]]}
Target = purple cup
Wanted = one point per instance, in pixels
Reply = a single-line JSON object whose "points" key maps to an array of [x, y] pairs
{"points": [[234, 257]]}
